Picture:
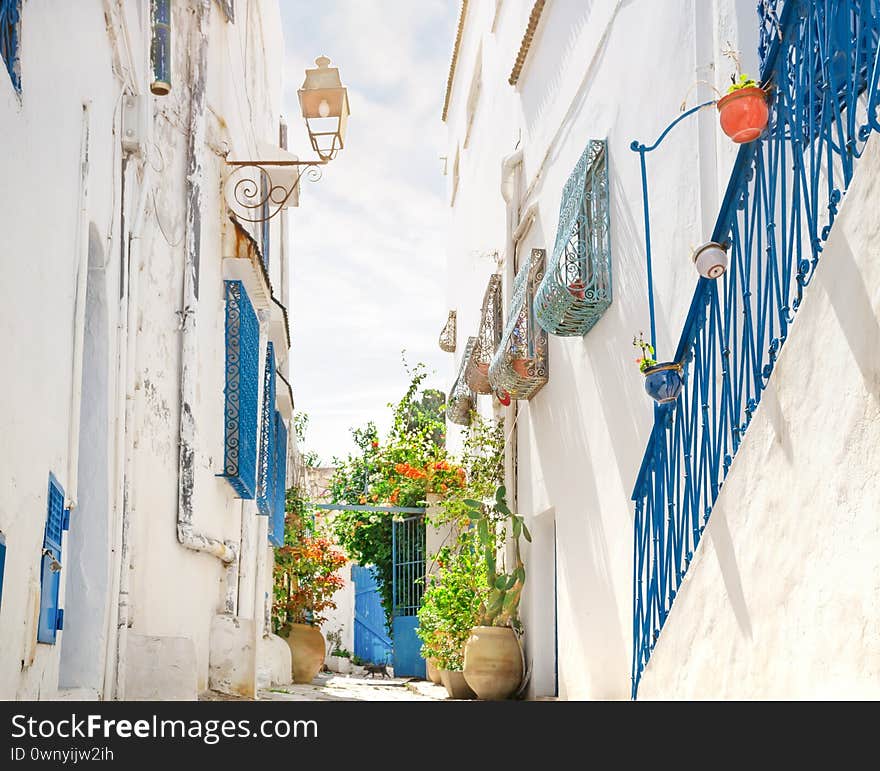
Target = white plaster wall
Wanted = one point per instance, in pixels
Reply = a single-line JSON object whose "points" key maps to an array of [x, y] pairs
{"points": [[580, 441], [68, 57], [782, 599], [342, 616], [65, 60]]}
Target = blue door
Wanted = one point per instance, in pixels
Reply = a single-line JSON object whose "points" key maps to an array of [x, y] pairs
{"points": [[371, 640], [408, 549]]}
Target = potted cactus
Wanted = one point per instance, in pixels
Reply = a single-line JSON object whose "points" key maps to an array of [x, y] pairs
{"points": [[743, 111], [663, 381], [493, 659]]}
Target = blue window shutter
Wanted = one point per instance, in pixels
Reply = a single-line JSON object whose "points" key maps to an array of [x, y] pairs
{"points": [[276, 535], [2, 563], [10, 16], [242, 391], [266, 477], [50, 580]]}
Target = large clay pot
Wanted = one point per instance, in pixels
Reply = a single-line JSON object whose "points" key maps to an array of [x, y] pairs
{"points": [[455, 684], [307, 648], [432, 671], [744, 114], [493, 662]]}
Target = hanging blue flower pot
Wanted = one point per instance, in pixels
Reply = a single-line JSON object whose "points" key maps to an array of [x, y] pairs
{"points": [[663, 381]]}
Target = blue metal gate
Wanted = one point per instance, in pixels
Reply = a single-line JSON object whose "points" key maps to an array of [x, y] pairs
{"points": [[371, 640], [408, 549]]}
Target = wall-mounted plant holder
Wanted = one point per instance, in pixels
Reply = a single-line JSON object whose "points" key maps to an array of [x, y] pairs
{"points": [[462, 401], [519, 367], [576, 288], [448, 335], [710, 259], [487, 340]]}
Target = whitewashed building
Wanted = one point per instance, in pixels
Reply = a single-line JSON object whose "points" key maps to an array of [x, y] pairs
{"points": [[551, 107], [145, 389]]}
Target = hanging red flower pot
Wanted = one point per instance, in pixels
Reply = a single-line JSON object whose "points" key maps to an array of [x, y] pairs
{"points": [[744, 113], [504, 398]]}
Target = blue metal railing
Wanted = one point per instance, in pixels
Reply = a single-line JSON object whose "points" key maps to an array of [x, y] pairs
{"points": [[821, 57]]}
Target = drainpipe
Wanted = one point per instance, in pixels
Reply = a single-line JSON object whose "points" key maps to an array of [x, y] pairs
{"points": [[79, 316], [225, 551]]}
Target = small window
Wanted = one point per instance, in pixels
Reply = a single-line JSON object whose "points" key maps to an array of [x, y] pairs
{"points": [[454, 178], [51, 616], [10, 29], [474, 95], [266, 481], [242, 391]]}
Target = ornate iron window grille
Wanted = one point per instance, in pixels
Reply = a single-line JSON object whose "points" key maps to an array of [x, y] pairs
{"points": [[279, 483], [10, 16], [242, 391], [576, 289], [488, 338], [447, 336], [520, 364], [461, 401], [781, 202], [266, 478]]}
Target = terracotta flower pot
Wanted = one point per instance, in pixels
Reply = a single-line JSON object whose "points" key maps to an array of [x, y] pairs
{"points": [[577, 288], [455, 684], [483, 367], [520, 366], [744, 114], [307, 648], [432, 672], [493, 662]]}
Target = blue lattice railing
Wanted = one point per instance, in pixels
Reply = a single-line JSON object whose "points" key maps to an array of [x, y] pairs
{"points": [[821, 57], [10, 16], [242, 391]]}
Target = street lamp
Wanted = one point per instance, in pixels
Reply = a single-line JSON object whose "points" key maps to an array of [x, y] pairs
{"points": [[257, 190], [324, 102]]}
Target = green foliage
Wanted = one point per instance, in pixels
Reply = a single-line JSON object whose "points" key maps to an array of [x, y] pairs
{"points": [[300, 426], [491, 522], [744, 82], [379, 473], [451, 605], [646, 360], [305, 569]]}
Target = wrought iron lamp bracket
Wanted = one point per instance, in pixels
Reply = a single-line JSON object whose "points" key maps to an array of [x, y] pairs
{"points": [[258, 197]]}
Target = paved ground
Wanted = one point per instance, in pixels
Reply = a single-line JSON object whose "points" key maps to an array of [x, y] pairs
{"points": [[333, 687]]}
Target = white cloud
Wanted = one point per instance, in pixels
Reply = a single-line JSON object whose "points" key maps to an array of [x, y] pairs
{"points": [[368, 239]]}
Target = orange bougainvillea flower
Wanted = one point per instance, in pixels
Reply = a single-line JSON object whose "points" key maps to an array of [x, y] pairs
{"points": [[362, 499]]}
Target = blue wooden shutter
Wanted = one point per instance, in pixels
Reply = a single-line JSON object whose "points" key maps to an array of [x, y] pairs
{"points": [[2, 564], [276, 535], [10, 15], [242, 391], [266, 477], [50, 580]]}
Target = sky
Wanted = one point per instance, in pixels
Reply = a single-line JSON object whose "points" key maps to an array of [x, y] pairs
{"points": [[368, 239]]}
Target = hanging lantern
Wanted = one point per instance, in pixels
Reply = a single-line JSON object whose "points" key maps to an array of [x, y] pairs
{"points": [[711, 260], [324, 103]]}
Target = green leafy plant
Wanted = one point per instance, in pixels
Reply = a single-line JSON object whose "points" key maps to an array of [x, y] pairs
{"points": [[358, 661], [305, 571], [646, 360], [452, 602], [491, 521], [399, 470], [744, 81], [342, 653]]}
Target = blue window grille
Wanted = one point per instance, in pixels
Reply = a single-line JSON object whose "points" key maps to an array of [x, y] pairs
{"points": [[266, 479], [51, 618], [2, 564], [519, 366], [784, 193], [576, 289], [10, 17], [276, 532], [242, 391]]}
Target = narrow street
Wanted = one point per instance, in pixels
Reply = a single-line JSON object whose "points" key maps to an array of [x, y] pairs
{"points": [[328, 686]]}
